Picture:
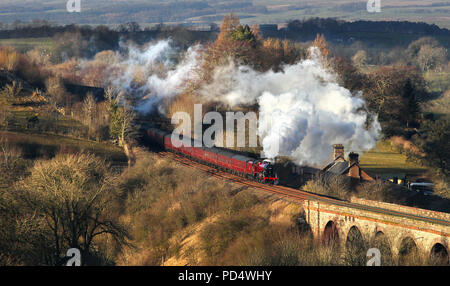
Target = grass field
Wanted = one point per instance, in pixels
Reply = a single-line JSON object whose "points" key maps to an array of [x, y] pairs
{"points": [[25, 44], [53, 134], [47, 121], [385, 159], [414, 11], [438, 81], [47, 145]]}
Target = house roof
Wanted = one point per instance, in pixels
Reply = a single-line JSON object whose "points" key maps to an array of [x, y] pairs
{"points": [[337, 167], [342, 167]]}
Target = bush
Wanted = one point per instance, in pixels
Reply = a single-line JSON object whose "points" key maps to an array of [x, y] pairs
{"points": [[442, 186], [217, 236], [377, 190], [9, 59], [330, 185], [284, 247], [15, 62], [12, 164]]}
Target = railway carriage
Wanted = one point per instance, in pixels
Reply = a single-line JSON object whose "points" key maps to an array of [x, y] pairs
{"points": [[227, 160], [156, 136]]}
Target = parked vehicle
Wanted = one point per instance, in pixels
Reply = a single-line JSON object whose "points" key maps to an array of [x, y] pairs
{"points": [[424, 188]]}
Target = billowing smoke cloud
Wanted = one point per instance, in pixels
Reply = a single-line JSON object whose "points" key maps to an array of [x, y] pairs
{"points": [[302, 110], [155, 73]]}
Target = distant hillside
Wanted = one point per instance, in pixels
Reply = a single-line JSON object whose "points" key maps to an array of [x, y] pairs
{"points": [[112, 12], [374, 33], [387, 33]]}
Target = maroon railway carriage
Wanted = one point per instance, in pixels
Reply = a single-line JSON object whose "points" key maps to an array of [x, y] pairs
{"points": [[217, 157]]}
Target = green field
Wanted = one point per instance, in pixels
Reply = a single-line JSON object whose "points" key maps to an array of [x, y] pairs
{"points": [[414, 11], [385, 159], [438, 81], [25, 44]]}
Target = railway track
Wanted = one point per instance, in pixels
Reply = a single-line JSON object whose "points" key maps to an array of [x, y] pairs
{"points": [[291, 193], [234, 178]]}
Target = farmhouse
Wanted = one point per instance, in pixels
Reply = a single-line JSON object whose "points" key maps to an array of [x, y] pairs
{"points": [[341, 167]]}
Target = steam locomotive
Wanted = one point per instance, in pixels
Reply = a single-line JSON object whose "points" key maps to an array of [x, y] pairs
{"points": [[219, 158]]}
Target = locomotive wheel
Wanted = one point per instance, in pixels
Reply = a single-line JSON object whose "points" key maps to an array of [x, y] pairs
{"points": [[277, 181], [260, 179]]}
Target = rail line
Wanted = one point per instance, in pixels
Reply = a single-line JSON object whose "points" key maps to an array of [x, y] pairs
{"points": [[295, 194], [236, 179]]}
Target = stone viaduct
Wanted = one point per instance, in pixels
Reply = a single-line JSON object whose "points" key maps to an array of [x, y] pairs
{"points": [[400, 229]]}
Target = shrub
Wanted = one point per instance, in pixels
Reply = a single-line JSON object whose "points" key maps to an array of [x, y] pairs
{"points": [[20, 65], [217, 236], [330, 185], [377, 190], [12, 164], [284, 247], [9, 59], [442, 186]]}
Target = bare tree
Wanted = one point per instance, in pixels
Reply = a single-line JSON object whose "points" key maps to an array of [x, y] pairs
{"points": [[12, 60], [7, 95], [90, 111], [127, 126], [321, 43], [114, 95], [72, 196], [8, 153], [360, 58], [431, 58], [12, 90], [4, 111], [56, 92]]}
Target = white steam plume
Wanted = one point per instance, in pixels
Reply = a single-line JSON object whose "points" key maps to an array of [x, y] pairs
{"points": [[303, 109], [160, 72]]}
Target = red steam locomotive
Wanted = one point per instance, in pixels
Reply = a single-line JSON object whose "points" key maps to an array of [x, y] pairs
{"points": [[219, 158]]}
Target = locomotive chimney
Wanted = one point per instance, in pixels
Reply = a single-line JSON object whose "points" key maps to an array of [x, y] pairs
{"points": [[338, 151]]}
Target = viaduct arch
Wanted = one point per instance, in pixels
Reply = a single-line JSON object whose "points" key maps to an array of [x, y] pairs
{"points": [[399, 232]]}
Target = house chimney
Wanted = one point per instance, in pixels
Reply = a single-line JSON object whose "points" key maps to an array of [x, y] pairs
{"points": [[338, 151], [353, 158], [354, 171]]}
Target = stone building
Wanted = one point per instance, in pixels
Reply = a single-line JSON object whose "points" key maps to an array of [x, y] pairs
{"points": [[342, 167]]}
